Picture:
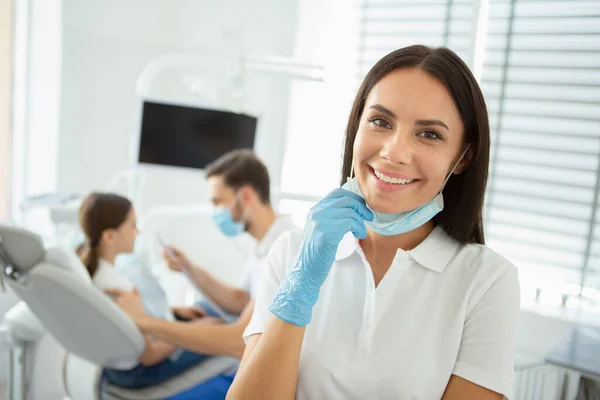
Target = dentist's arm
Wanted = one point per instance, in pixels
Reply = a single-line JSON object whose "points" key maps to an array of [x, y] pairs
{"points": [[218, 339], [201, 337], [229, 297], [269, 368]]}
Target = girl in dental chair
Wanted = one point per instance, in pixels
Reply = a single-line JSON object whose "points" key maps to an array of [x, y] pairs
{"points": [[109, 224]]}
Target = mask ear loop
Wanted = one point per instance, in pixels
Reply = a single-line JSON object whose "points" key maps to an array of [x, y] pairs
{"points": [[454, 167]]}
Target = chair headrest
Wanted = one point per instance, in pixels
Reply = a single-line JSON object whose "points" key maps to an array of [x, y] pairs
{"points": [[24, 249], [66, 259]]}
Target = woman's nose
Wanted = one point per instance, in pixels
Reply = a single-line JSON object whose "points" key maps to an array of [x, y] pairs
{"points": [[397, 149]]}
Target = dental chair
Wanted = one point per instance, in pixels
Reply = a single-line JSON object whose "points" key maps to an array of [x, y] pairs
{"points": [[58, 294]]}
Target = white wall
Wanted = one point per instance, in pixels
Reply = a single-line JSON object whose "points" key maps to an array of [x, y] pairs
{"points": [[105, 46]]}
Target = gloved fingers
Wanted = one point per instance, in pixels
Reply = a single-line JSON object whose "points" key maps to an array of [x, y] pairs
{"points": [[346, 194], [339, 192], [347, 200], [358, 206], [341, 221]]}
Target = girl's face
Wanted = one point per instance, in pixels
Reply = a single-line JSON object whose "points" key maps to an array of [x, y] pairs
{"points": [[123, 238], [409, 137]]}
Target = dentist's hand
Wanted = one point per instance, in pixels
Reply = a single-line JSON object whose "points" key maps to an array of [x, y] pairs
{"points": [[328, 221], [176, 259], [188, 313]]}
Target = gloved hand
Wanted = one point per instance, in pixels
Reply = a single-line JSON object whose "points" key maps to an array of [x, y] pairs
{"points": [[328, 221]]}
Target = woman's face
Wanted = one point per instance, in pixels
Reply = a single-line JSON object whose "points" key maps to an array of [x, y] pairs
{"points": [[409, 138], [126, 233]]}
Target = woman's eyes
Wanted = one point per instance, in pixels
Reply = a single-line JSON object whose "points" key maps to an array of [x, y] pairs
{"points": [[426, 134], [429, 134], [380, 122]]}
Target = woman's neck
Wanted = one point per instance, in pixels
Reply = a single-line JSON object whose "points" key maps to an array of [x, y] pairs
{"points": [[107, 255], [380, 250]]}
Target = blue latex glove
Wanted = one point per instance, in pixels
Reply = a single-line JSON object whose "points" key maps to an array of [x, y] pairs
{"points": [[328, 221]]}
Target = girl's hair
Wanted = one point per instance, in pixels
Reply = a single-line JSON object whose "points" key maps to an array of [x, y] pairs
{"points": [[98, 212], [462, 216]]}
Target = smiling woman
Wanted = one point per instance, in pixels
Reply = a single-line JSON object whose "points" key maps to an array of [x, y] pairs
{"points": [[389, 292], [435, 126]]}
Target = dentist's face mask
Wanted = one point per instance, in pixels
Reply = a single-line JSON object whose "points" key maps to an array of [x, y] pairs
{"points": [[396, 224], [224, 220]]}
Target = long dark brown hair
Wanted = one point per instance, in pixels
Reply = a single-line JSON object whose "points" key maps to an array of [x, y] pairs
{"points": [[462, 217], [98, 212]]}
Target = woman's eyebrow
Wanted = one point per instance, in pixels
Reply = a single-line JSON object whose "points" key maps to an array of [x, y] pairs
{"points": [[428, 122], [383, 110], [420, 122]]}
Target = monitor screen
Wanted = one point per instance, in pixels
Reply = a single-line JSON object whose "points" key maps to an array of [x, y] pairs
{"points": [[192, 137]]}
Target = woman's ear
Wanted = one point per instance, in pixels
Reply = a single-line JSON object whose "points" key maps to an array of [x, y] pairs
{"points": [[464, 162], [108, 235]]}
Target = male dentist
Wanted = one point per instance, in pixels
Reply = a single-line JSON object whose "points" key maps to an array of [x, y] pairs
{"points": [[240, 191]]}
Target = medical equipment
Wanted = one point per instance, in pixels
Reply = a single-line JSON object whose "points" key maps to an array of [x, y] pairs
{"points": [[189, 135], [215, 307], [58, 295], [338, 213], [209, 81]]}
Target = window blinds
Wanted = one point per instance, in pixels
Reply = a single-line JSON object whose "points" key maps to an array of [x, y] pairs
{"points": [[390, 25], [541, 79]]}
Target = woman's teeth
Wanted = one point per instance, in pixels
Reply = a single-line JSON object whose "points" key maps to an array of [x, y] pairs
{"points": [[389, 179]]}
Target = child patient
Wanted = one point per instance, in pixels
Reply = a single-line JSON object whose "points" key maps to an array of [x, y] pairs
{"points": [[109, 224]]}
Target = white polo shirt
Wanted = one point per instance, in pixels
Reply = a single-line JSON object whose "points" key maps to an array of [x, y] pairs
{"points": [[255, 264], [441, 309]]}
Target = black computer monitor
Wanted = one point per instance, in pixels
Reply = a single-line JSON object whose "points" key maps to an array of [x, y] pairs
{"points": [[192, 137]]}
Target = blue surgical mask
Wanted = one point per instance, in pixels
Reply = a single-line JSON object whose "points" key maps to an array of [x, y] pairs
{"points": [[396, 224], [224, 220]]}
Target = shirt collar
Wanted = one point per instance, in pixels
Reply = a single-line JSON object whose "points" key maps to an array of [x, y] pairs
{"points": [[282, 224], [434, 253]]}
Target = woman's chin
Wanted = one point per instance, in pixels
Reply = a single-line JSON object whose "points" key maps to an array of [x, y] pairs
{"points": [[393, 204], [383, 208]]}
